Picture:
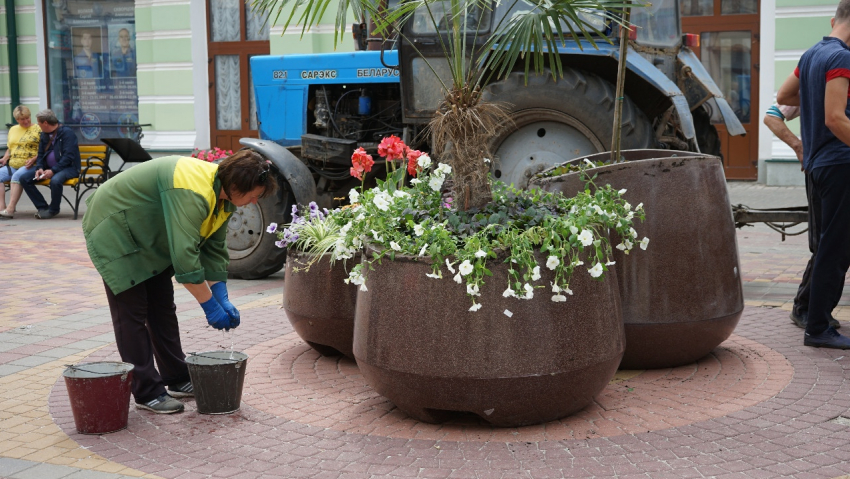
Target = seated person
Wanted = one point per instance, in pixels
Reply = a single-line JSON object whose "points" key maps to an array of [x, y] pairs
{"points": [[19, 158], [58, 161]]}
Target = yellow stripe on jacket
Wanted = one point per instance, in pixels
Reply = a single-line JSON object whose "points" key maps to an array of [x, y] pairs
{"points": [[197, 175]]}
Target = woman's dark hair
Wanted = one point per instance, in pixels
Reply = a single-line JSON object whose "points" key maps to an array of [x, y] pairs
{"points": [[245, 170]]}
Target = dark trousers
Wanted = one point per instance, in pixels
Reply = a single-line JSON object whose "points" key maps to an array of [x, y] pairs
{"points": [[801, 301], [144, 318], [55, 189], [831, 186]]}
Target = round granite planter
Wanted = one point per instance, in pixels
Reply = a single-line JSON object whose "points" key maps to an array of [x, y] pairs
{"points": [[682, 296], [417, 344], [318, 303]]}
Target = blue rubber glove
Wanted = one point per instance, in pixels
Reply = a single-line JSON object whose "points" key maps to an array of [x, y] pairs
{"points": [[216, 317], [219, 291]]}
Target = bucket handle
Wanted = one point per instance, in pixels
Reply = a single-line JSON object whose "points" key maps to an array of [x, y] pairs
{"points": [[77, 368], [230, 361]]}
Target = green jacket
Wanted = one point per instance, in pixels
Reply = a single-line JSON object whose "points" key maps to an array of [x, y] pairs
{"points": [[158, 214]]}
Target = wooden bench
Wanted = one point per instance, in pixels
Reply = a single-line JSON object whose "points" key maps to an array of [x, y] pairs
{"points": [[94, 170]]}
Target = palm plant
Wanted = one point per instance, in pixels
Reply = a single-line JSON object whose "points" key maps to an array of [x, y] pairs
{"points": [[464, 123]]}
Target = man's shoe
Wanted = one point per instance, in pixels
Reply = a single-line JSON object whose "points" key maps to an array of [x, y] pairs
{"points": [[800, 319], [833, 323], [164, 404], [827, 339], [182, 390], [45, 214]]}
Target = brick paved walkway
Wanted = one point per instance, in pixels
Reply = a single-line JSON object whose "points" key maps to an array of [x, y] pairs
{"points": [[761, 405]]}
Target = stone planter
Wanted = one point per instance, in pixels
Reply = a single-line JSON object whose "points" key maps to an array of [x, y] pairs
{"points": [[319, 305], [417, 344], [682, 296]]}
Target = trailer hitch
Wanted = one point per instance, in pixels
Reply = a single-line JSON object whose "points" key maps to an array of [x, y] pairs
{"points": [[777, 219]]}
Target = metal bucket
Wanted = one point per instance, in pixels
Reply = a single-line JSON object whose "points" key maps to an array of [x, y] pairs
{"points": [[100, 395], [217, 377]]}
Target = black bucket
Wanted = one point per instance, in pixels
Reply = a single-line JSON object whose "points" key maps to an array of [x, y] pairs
{"points": [[99, 395], [217, 377]]}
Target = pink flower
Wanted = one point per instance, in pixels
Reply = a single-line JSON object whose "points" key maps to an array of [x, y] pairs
{"points": [[361, 163], [412, 166], [392, 148]]}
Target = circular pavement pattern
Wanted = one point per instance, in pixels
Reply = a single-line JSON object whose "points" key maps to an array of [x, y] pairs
{"points": [[761, 405]]}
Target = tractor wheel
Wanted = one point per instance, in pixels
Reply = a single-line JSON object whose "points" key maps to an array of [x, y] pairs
{"points": [[556, 121], [707, 138], [253, 253]]}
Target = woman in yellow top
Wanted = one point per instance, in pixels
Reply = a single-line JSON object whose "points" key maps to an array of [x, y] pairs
{"points": [[19, 158]]}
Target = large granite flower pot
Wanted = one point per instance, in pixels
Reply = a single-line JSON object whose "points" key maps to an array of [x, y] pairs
{"points": [[318, 303], [682, 296], [417, 343]]}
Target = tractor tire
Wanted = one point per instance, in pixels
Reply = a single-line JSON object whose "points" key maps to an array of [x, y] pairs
{"points": [[253, 253], [557, 121], [707, 137]]}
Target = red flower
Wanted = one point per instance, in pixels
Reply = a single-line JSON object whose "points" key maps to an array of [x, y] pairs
{"points": [[360, 163], [392, 148], [412, 166]]}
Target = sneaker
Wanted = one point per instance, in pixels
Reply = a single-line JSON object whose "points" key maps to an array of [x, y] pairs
{"points": [[800, 319], [164, 404], [182, 390], [827, 339]]}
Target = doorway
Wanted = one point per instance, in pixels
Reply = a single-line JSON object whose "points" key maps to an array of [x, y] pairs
{"points": [[235, 35], [729, 50]]}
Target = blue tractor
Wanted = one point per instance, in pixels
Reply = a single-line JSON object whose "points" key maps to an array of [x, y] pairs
{"points": [[315, 110]]}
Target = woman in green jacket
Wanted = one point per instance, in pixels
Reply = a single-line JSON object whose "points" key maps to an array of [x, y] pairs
{"points": [[166, 217]]}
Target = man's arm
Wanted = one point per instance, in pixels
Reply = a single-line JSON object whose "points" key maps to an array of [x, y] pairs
{"points": [[835, 103], [780, 129], [789, 92], [70, 150]]}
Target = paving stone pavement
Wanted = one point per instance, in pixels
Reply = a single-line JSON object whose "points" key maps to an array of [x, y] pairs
{"points": [[760, 405]]}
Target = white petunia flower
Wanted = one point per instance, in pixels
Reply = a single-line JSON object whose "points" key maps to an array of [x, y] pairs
{"points": [[573, 229], [555, 288], [418, 230], [568, 291], [508, 313], [480, 253], [630, 215], [535, 273], [344, 230], [610, 263], [472, 290], [487, 160], [436, 182], [596, 270], [621, 247], [423, 250], [529, 291], [382, 201], [465, 268], [401, 194], [589, 163], [415, 181], [627, 206], [509, 293], [444, 169], [598, 210], [475, 307], [586, 237], [552, 262], [632, 232], [644, 242], [424, 161], [376, 235], [354, 196], [458, 279], [622, 192], [395, 246], [639, 207], [449, 266], [363, 287], [559, 298], [437, 275]]}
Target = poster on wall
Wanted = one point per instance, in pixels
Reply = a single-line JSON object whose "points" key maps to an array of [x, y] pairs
{"points": [[91, 56]]}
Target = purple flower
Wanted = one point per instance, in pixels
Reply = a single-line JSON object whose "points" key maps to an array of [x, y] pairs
{"points": [[272, 228], [280, 244]]}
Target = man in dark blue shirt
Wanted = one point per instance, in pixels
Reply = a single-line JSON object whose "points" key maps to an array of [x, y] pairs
{"points": [[820, 86]]}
